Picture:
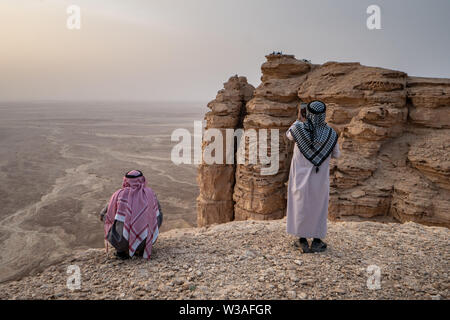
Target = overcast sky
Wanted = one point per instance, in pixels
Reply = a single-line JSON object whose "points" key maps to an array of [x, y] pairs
{"points": [[184, 50]]}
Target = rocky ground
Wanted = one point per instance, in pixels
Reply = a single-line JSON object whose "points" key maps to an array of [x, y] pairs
{"points": [[256, 260]]}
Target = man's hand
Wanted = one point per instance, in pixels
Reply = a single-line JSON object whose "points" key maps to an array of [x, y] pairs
{"points": [[300, 116], [103, 213]]}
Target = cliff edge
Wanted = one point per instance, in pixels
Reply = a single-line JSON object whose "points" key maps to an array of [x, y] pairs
{"points": [[256, 260]]}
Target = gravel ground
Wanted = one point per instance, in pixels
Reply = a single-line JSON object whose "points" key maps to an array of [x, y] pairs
{"points": [[257, 260]]}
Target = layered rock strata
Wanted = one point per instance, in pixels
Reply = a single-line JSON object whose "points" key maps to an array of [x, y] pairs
{"points": [[274, 107], [216, 181], [393, 132]]}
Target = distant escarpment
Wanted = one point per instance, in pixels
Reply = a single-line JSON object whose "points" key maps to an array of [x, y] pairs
{"points": [[393, 132]]}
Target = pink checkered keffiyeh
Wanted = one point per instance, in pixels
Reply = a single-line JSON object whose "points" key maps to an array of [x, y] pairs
{"points": [[136, 206]]}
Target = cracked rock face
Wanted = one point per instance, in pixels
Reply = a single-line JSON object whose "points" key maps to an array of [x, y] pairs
{"points": [[430, 102], [216, 182], [393, 132], [274, 106]]}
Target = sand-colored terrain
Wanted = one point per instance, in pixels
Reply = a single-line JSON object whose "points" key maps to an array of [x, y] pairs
{"points": [[60, 163], [256, 260]]}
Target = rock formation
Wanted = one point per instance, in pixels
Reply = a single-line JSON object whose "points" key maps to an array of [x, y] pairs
{"points": [[393, 132], [274, 106], [216, 182]]}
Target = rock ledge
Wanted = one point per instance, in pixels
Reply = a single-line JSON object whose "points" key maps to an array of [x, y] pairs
{"points": [[256, 260]]}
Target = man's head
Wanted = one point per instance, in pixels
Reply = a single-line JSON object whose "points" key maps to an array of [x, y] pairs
{"points": [[316, 112], [134, 179], [134, 174]]}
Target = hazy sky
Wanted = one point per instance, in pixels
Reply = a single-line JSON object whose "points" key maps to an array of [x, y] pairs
{"points": [[186, 49]]}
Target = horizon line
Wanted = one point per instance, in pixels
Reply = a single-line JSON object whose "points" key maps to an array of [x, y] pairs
{"points": [[99, 100]]}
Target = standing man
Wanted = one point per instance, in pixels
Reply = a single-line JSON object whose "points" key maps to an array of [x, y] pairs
{"points": [[309, 184]]}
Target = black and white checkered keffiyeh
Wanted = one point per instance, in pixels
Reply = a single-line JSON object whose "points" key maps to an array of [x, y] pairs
{"points": [[315, 138]]}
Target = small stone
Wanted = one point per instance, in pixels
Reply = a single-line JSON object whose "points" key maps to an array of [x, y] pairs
{"points": [[358, 194], [306, 281], [291, 294], [339, 291], [249, 254], [185, 286], [298, 262], [202, 288], [302, 295]]}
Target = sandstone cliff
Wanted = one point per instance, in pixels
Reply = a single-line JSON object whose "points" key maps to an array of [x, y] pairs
{"points": [[393, 132], [216, 182]]}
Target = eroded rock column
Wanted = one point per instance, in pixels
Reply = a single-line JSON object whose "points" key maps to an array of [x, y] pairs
{"points": [[274, 106], [216, 181]]}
